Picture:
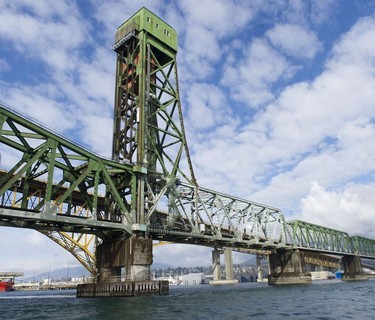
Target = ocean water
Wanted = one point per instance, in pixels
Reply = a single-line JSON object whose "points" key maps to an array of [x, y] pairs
{"points": [[321, 300]]}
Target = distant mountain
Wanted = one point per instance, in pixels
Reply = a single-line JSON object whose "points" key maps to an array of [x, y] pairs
{"points": [[63, 273], [157, 265], [79, 271]]}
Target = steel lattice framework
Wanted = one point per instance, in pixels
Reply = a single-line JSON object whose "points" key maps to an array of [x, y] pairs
{"points": [[68, 193], [57, 187], [69, 206]]}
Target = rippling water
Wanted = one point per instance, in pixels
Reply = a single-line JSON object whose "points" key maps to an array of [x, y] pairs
{"points": [[321, 300]]}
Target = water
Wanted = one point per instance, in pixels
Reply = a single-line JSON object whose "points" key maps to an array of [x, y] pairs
{"points": [[321, 300]]}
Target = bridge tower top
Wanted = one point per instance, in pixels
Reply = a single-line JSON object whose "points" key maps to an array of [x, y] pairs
{"points": [[149, 22]]}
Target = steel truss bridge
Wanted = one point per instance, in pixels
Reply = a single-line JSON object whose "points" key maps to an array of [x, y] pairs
{"points": [[70, 207], [80, 199]]}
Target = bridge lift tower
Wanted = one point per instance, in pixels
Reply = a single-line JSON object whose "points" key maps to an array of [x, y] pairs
{"points": [[148, 133]]}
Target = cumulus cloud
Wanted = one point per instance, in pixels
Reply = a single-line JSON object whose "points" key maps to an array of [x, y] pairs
{"points": [[314, 131], [208, 106], [210, 25], [32, 100], [45, 253], [249, 77], [295, 40], [350, 209], [51, 30], [74, 84]]}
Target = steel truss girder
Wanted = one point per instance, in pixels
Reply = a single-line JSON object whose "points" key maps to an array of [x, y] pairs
{"points": [[81, 246], [59, 186], [203, 215], [318, 259], [307, 236]]}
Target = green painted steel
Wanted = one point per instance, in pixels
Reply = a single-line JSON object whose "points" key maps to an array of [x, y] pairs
{"points": [[145, 20], [148, 127], [70, 200], [309, 236], [55, 176], [148, 186]]}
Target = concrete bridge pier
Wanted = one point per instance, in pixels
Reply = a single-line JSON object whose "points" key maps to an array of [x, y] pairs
{"points": [[228, 260], [352, 268], [216, 267], [287, 267], [138, 258], [229, 272], [110, 257], [135, 253], [259, 269]]}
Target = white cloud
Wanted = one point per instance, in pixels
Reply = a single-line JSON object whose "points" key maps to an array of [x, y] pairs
{"points": [[295, 40], [319, 130], [249, 77], [77, 84], [357, 49], [208, 106], [350, 210], [30, 252], [206, 28], [40, 103], [51, 31], [98, 132]]}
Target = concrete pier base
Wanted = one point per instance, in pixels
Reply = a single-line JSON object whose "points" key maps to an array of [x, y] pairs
{"points": [[122, 289], [353, 269], [289, 280], [287, 268], [229, 274], [135, 254], [223, 282]]}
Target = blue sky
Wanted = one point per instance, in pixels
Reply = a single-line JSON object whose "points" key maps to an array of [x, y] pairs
{"points": [[278, 100]]}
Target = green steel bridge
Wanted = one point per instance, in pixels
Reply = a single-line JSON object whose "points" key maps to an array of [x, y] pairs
{"points": [[147, 189]]}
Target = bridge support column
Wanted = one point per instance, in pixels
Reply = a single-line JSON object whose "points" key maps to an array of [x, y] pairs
{"points": [[287, 267], [216, 268], [135, 254], [228, 258], [138, 258], [229, 278], [352, 269], [259, 269], [110, 257]]}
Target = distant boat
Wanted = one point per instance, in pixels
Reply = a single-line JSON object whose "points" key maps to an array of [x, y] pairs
{"points": [[6, 286], [7, 280]]}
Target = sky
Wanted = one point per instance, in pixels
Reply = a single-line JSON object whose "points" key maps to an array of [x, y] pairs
{"points": [[278, 102]]}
